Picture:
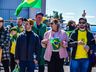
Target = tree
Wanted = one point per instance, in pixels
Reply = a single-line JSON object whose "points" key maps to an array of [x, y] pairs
{"points": [[55, 15]]}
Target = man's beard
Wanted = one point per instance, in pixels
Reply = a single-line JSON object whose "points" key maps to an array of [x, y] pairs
{"points": [[82, 28]]}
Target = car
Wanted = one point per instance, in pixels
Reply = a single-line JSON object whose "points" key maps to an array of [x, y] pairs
{"points": [[93, 29]]}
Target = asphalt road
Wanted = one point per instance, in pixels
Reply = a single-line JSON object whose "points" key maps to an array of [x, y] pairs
{"points": [[67, 69]]}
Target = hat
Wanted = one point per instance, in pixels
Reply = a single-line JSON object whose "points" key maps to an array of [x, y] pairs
{"points": [[83, 19], [13, 28], [39, 13]]}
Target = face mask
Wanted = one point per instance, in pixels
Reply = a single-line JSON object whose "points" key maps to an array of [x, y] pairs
{"points": [[71, 27]]}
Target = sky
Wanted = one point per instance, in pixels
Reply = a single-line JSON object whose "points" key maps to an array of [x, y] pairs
{"points": [[73, 9]]}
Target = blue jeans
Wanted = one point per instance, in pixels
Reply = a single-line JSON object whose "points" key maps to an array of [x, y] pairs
{"points": [[79, 65], [29, 65]]}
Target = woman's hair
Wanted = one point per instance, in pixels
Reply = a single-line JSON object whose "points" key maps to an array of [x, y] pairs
{"points": [[56, 22]]}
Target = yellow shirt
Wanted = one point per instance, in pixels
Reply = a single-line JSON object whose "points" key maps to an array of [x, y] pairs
{"points": [[81, 53], [13, 47], [0, 54]]}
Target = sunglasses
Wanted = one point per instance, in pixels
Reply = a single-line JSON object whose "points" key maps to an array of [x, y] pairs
{"points": [[82, 22], [1, 21], [54, 23]]}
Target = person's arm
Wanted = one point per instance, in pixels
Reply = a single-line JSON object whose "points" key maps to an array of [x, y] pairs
{"points": [[37, 48], [0, 54], [64, 42], [45, 40], [17, 50], [91, 44], [6, 41], [72, 40]]}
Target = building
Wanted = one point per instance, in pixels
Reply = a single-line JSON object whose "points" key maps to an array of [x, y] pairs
{"points": [[7, 9]]}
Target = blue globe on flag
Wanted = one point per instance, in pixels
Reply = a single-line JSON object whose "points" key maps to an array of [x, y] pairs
{"points": [[55, 43]]}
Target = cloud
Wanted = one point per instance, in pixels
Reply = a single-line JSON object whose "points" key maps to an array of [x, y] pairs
{"points": [[69, 17], [70, 13], [90, 17]]}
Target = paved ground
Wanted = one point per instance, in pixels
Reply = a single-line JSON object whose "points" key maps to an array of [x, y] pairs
{"points": [[66, 69]]}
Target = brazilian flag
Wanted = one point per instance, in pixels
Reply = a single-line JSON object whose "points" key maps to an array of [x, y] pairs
{"points": [[55, 43], [28, 3]]}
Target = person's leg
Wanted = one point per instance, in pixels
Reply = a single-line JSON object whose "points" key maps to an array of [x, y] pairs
{"points": [[90, 68], [41, 68], [56, 64], [22, 65], [42, 61], [92, 62], [74, 64], [51, 66], [6, 65], [84, 64], [12, 62], [30, 66], [52, 63], [59, 65]]}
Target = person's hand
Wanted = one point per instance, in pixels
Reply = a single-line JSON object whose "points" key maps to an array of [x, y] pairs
{"points": [[63, 44], [44, 41], [86, 47], [80, 42], [17, 61], [91, 51], [35, 61]]}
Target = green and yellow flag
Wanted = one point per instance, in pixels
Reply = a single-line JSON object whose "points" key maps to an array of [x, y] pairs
{"points": [[28, 3], [55, 43]]}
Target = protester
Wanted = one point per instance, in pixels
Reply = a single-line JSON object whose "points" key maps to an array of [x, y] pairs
{"points": [[92, 55], [40, 28], [55, 42], [81, 41], [27, 46], [4, 46], [71, 26], [13, 37], [19, 26]]}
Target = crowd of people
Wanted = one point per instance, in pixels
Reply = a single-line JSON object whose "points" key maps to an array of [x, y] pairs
{"points": [[37, 42]]}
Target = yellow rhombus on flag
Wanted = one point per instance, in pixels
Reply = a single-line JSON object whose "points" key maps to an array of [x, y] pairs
{"points": [[28, 3]]}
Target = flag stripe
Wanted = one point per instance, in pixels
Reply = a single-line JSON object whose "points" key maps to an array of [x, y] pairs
{"points": [[24, 4]]}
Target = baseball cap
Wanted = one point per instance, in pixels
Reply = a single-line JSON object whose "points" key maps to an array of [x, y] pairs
{"points": [[13, 28]]}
